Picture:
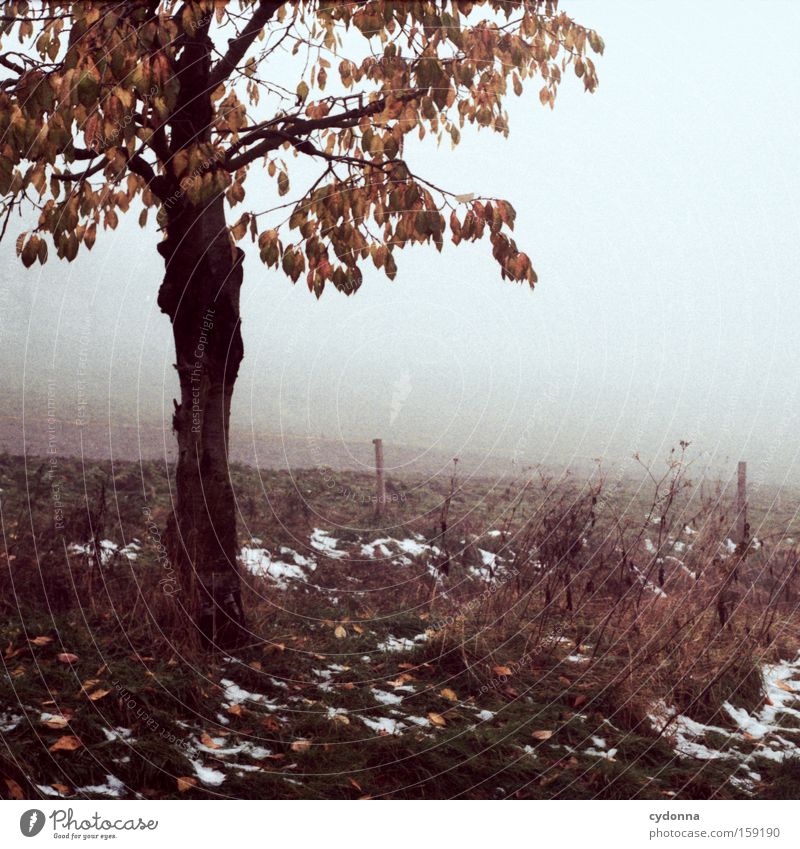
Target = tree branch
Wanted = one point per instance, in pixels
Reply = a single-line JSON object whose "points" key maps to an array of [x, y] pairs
{"points": [[238, 46]]}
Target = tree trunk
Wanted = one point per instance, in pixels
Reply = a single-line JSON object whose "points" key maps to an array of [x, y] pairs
{"points": [[200, 293]]}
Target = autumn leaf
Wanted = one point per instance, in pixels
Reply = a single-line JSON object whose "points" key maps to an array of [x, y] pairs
{"points": [[502, 670], [448, 694], [208, 742], [14, 790], [186, 783], [235, 710], [341, 719], [41, 641], [301, 745], [358, 629], [62, 789], [55, 722], [98, 694], [66, 657], [542, 735], [339, 632], [67, 743], [437, 719], [579, 701]]}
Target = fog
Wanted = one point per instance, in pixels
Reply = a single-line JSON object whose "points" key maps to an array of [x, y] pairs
{"points": [[661, 216]]}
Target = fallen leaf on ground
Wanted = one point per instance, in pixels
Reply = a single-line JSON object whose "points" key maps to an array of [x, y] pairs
{"points": [[66, 657], [448, 694], [67, 743], [341, 719], [542, 735], [41, 641], [98, 694], [62, 788], [301, 745], [502, 670], [339, 632], [437, 719], [14, 790], [206, 740], [579, 700], [358, 629], [55, 722], [186, 783], [235, 710], [784, 686], [355, 784]]}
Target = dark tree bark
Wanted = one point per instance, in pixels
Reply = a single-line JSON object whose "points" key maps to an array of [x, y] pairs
{"points": [[200, 294]]}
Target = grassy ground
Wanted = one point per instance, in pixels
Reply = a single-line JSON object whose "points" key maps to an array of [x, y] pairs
{"points": [[369, 677]]}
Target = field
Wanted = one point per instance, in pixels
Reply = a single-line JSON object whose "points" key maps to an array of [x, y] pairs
{"points": [[544, 637]]}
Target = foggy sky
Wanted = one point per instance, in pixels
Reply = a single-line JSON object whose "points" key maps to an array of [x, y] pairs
{"points": [[661, 216]]}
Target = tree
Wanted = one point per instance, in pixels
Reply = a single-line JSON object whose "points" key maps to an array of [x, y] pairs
{"points": [[171, 107]]}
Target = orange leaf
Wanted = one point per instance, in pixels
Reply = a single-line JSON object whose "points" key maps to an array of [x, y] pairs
{"points": [[542, 735], [437, 719], [301, 745], [67, 743], [41, 641], [14, 790], [98, 694], [502, 670], [66, 657], [448, 694], [236, 710], [208, 742], [62, 788], [186, 783], [579, 700]]}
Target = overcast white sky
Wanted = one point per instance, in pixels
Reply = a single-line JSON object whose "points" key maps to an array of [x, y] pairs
{"points": [[661, 214]]}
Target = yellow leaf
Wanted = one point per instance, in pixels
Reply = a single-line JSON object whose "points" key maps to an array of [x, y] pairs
{"points": [[339, 632], [341, 719], [542, 735], [98, 694], [437, 719], [55, 722], [448, 694], [67, 743], [186, 783]]}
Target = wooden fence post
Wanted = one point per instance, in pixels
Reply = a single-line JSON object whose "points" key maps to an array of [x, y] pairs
{"points": [[742, 525], [380, 482]]}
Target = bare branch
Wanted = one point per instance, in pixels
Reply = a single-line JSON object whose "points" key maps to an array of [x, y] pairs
{"points": [[238, 46]]}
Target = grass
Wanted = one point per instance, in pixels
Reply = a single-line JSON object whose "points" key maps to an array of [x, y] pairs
{"points": [[521, 688]]}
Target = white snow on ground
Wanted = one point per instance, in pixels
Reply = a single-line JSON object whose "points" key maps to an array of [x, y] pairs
{"points": [[235, 695], [647, 583], [782, 685], [648, 544], [8, 722], [112, 787], [209, 776], [402, 643], [108, 550], [383, 724], [485, 715], [323, 542], [114, 734], [386, 698], [259, 562]]}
